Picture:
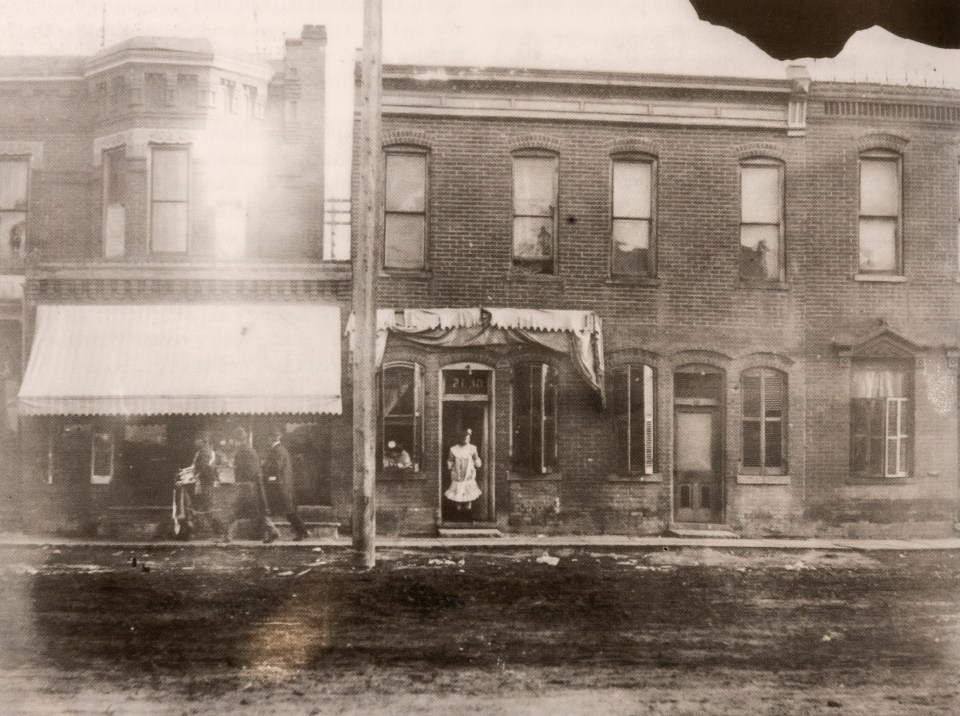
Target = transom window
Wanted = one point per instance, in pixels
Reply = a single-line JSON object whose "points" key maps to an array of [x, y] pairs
{"points": [[401, 417], [632, 237], [633, 406], [764, 393], [880, 213], [14, 178], [535, 187], [880, 420], [169, 199], [534, 417], [405, 209], [761, 220]]}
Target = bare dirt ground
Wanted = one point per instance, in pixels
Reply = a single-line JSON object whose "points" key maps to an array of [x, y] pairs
{"points": [[299, 630]]}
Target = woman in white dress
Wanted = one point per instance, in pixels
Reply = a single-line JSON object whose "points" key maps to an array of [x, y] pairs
{"points": [[463, 462]]}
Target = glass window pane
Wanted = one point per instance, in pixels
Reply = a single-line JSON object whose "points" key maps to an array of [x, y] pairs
{"points": [[533, 238], [406, 182], [534, 186], [773, 390], [623, 444], [879, 187], [773, 443], [632, 183], [618, 392], [404, 239], [169, 175], [13, 233], [631, 247], [696, 385], [13, 184], [760, 252], [398, 391], [760, 199], [169, 227], [751, 443], [398, 438], [694, 442], [113, 177], [751, 395], [878, 244]]}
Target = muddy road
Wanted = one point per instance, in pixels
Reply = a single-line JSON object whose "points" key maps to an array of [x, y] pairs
{"points": [[291, 630]]}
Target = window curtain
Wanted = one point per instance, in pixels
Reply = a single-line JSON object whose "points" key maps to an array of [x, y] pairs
{"points": [[877, 383]]}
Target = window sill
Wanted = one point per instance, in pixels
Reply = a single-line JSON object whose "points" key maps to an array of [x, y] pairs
{"points": [[633, 281], [642, 479], [764, 285], [763, 479], [534, 477], [879, 278], [409, 274]]}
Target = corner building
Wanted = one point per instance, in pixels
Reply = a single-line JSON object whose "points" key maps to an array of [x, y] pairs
{"points": [[669, 302]]}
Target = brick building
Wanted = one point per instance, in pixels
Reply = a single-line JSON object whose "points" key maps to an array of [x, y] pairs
{"points": [[164, 273], [665, 300]]}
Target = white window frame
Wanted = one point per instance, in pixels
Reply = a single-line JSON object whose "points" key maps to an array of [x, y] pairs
{"points": [[188, 201], [651, 270], [648, 419], [895, 460], [888, 156], [781, 233]]}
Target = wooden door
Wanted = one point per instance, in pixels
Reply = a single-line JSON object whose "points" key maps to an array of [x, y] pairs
{"points": [[697, 473]]}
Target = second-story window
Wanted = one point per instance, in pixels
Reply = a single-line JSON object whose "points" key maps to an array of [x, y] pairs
{"points": [[14, 174], [761, 220], [535, 211], [405, 209], [632, 223], [114, 210], [880, 235], [169, 199]]}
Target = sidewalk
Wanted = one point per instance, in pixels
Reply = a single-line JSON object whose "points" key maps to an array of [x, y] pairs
{"points": [[513, 542]]}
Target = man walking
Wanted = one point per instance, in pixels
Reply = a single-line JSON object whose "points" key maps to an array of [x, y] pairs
{"points": [[205, 472], [246, 468], [278, 477]]}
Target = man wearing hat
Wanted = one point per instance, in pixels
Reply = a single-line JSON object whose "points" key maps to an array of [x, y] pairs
{"points": [[278, 485]]}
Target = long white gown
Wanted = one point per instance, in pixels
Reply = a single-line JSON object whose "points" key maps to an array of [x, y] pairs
{"points": [[464, 461]]}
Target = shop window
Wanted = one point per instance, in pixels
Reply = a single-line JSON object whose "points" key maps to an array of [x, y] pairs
{"points": [[114, 209], [881, 399], [401, 417], [633, 403], [880, 213], [764, 394], [169, 198], [405, 209], [14, 175], [632, 235], [535, 188], [101, 458], [761, 220], [534, 418]]}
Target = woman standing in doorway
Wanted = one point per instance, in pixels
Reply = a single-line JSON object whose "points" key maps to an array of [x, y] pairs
{"points": [[463, 462]]}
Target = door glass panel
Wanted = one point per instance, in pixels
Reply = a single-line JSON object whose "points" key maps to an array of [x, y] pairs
{"points": [[694, 442]]}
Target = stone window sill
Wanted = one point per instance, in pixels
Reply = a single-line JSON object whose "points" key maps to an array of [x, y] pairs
{"points": [[534, 477], [654, 478], [879, 278], [763, 479], [633, 281]]}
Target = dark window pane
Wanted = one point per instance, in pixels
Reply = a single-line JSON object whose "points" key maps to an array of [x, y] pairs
{"points": [[685, 496], [696, 385], [773, 448], [403, 247], [623, 445], [760, 252], [751, 395], [549, 443], [705, 496], [751, 443], [631, 247], [398, 390], [773, 390]]}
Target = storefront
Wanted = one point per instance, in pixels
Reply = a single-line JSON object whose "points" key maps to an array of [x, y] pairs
{"points": [[115, 397]]}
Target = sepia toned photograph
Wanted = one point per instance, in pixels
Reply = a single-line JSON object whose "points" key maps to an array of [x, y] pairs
{"points": [[378, 357]]}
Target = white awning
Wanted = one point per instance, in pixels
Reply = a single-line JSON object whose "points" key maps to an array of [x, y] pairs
{"points": [[194, 359]]}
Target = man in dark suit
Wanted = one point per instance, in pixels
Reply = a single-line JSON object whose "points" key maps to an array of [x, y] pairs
{"points": [[205, 472], [246, 468], [278, 484]]}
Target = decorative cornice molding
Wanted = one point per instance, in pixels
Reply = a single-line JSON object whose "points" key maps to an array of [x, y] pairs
{"points": [[33, 150]]}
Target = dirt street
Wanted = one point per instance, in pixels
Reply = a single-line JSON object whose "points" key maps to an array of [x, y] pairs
{"points": [[299, 630]]}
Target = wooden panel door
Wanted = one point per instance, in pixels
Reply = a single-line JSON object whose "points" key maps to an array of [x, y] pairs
{"points": [[697, 464]]}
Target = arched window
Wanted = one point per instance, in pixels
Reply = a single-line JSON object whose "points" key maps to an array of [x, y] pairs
{"points": [[764, 393], [535, 191], [533, 446], [401, 417], [881, 243], [633, 404]]}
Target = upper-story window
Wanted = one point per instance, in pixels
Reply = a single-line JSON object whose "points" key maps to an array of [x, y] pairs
{"points": [[881, 395], [633, 406], [169, 199], [535, 189], [114, 209], [405, 209], [155, 90], [761, 220], [764, 393], [14, 174], [231, 103], [881, 248], [632, 235]]}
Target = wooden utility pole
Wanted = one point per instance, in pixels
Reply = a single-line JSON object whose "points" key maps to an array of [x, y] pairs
{"points": [[365, 266]]}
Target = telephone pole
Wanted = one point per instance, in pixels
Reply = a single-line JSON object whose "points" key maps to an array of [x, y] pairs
{"points": [[365, 265]]}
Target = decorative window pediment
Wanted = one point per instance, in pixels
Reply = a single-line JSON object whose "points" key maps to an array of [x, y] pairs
{"points": [[881, 344]]}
